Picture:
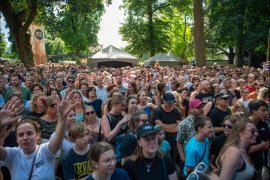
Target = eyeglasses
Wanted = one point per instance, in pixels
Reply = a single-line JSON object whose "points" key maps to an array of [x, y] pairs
{"points": [[226, 126], [71, 81], [90, 112], [200, 168], [53, 105], [253, 131]]}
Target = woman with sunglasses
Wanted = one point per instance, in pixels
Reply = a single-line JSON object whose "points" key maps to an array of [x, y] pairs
{"points": [[219, 141], [233, 159], [93, 124], [48, 122], [93, 101], [149, 163]]}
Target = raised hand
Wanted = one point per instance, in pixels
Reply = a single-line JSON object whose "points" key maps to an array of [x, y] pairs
{"points": [[65, 105], [9, 113]]}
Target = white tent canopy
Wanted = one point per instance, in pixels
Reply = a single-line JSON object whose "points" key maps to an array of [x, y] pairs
{"points": [[112, 56]]}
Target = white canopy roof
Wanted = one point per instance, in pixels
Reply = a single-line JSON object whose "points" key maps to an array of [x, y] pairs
{"points": [[112, 52]]}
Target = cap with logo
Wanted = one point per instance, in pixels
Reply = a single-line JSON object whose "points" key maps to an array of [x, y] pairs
{"points": [[145, 129]]}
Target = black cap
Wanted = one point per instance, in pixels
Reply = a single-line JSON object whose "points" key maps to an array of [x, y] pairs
{"points": [[221, 96], [145, 129], [169, 98]]}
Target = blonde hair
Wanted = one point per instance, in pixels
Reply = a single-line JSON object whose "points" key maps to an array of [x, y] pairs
{"points": [[262, 93], [234, 138], [77, 130], [237, 105]]}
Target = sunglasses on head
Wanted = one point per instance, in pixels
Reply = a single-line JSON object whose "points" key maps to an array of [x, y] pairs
{"points": [[90, 112], [226, 126], [53, 105]]}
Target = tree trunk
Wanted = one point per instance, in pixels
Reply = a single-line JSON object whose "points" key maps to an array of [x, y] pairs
{"points": [[231, 55], [18, 23], [152, 48], [239, 39], [199, 38]]}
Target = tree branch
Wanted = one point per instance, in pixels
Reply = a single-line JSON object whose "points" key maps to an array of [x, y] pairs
{"points": [[33, 12]]}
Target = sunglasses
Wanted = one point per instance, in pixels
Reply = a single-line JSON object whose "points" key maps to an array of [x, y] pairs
{"points": [[200, 168], [53, 105], [144, 120], [253, 131], [71, 81], [90, 112], [226, 126]]}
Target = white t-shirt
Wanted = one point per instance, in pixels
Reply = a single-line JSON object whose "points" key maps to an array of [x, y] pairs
{"points": [[66, 145], [102, 94], [20, 164]]}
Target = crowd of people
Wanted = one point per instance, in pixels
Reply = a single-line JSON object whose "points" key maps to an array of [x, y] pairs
{"points": [[167, 123]]}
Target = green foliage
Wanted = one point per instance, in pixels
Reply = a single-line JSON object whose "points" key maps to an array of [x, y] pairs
{"points": [[55, 46], [235, 21], [3, 44], [144, 29]]}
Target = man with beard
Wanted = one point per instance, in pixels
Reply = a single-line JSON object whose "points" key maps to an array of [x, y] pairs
{"points": [[120, 86], [227, 83], [206, 95], [16, 85]]}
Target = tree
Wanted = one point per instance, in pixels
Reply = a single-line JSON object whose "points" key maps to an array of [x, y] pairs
{"points": [[199, 38], [238, 27], [144, 29], [20, 14]]}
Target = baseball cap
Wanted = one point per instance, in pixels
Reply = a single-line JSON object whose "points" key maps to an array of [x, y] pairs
{"points": [[221, 96], [169, 98], [194, 103], [145, 129]]}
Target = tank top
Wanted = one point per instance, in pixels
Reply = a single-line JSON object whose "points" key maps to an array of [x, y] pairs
{"points": [[245, 172], [147, 109], [113, 119]]}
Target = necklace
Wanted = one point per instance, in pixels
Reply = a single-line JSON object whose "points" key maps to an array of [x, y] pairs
{"points": [[148, 165]]}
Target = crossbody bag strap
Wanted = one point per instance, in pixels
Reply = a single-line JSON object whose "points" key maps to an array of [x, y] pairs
{"points": [[32, 168], [203, 154]]}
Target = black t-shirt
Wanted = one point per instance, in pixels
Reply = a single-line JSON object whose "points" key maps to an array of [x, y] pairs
{"points": [[217, 116], [167, 118], [137, 170], [205, 97], [258, 158], [217, 145]]}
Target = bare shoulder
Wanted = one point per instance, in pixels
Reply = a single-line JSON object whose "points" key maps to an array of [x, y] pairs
{"points": [[233, 153]]}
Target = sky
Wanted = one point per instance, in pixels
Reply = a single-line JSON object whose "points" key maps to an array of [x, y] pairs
{"points": [[109, 26]]}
